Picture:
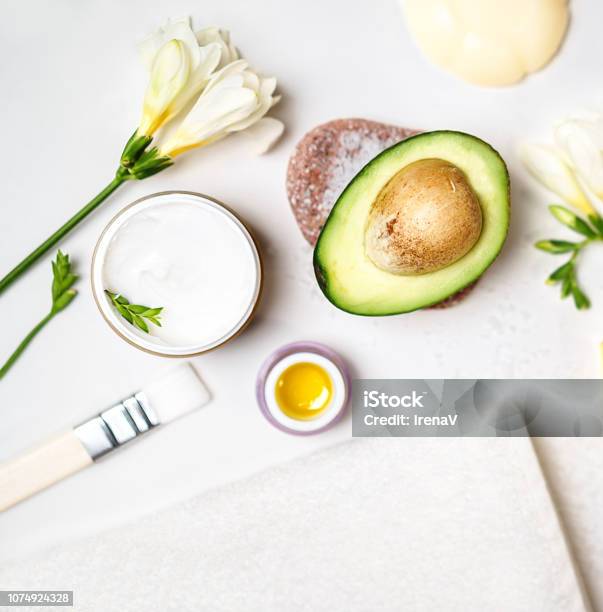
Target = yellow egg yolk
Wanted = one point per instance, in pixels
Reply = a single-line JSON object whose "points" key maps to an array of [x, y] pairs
{"points": [[303, 391]]}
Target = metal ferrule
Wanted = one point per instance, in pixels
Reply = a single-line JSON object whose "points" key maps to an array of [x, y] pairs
{"points": [[117, 425]]}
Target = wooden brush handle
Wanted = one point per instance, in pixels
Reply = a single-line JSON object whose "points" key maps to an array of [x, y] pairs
{"points": [[41, 467]]}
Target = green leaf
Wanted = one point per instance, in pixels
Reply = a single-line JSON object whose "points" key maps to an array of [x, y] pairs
{"points": [[64, 300], [580, 300], [152, 312], [597, 222], [557, 247], [124, 312], [62, 260], [566, 287], [137, 309], [56, 285], [68, 281], [140, 323], [561, 273], [571, 220]]}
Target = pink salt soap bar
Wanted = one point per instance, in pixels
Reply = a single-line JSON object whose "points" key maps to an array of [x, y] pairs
{"points": [[326, 159]]}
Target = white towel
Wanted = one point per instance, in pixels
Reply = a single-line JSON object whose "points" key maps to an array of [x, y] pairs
{"points": [[377, 524], [574, 470]]}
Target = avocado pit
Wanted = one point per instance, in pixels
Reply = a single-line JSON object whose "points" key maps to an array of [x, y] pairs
{"points": [[424, 219]]}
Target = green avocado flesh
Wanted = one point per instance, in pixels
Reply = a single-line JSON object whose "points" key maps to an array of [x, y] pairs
{"points": [[352, 282]]}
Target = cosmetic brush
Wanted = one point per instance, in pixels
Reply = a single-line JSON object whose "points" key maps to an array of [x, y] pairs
{"points": [[178, 393]]}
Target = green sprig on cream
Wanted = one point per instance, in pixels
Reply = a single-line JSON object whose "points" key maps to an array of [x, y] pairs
{"points": [[135, 314]]}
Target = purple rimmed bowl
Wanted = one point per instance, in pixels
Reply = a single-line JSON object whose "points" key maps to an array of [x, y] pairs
{"points": [[291, 349]]}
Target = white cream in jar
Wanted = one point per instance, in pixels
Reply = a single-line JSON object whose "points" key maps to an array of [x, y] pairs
{"points": [[187, 254]]}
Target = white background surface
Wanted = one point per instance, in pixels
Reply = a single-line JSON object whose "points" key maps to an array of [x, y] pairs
{"points": [[72, 87]]}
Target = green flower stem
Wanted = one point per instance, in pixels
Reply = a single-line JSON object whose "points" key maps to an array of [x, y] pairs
{"points": [[591, 231], [62, 293], [50, 242], [25, 343]]}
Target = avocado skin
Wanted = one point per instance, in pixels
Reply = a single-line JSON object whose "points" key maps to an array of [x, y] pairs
{"points": [[320, 274], [366, 308]]}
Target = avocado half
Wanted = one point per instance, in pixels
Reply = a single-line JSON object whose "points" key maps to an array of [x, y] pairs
{"points": [[351, 280]]}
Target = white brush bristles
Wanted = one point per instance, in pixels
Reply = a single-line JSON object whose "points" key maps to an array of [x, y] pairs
{"points": [[177, 393]]}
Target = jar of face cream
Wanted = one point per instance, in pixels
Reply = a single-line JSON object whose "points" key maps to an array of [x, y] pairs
{"points": [[187, 254]]}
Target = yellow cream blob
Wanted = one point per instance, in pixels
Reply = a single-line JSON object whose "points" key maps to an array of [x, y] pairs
{"points": [[488, 42], [303, 391]]}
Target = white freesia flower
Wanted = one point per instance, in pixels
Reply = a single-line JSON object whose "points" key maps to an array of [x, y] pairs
{"points": [[581, 140], [179, 68], [222, 38], [263, 134], [547, 165], [235, 98], [169, 75]]}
